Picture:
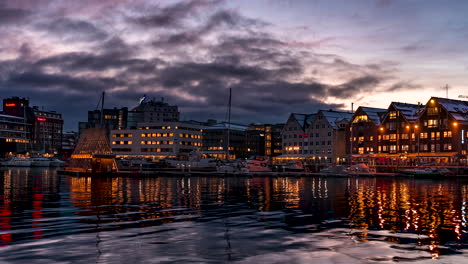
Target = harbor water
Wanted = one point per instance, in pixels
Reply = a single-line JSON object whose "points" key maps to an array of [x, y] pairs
{"points": [[48, 218]]}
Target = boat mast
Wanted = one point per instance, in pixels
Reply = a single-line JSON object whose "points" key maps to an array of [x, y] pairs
{"points": [[102, 108], [229, 125]]}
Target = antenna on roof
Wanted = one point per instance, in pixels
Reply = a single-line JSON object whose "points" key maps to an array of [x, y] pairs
{"points": [[446, 90], [352, 107]]}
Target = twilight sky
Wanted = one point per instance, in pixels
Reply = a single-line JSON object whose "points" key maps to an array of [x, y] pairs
{"points": [[278, 56]]}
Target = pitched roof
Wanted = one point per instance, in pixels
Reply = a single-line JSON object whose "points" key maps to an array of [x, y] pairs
{"points": [[458, 109], [410, 112], [335, 116], [304, 120], [374, 114]]}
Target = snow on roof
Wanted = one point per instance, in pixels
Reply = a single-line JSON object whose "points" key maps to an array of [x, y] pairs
{"points": [[374, 114], [303, 119], [458, 109], [335, 116], [409, 111]]}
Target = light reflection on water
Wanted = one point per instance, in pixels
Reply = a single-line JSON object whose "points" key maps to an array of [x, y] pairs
{"points": [[49, 218]]}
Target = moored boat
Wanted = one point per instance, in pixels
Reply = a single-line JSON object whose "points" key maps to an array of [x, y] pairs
{"points": [[18, 162], [422, 172], [40, 162]]}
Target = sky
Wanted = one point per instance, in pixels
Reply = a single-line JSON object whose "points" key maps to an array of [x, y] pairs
{"points": [[277, 56]]}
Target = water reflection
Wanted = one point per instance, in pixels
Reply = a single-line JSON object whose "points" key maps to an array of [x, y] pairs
{"points": [[230, 219]]}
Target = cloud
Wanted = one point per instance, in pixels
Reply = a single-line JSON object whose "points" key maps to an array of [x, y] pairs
{"points": [[12, 15], [73, 30]]}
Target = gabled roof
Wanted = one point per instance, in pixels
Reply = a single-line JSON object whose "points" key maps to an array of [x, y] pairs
{"points": [[335, 116], [374, 114], [410, 112], [304, 120], [458, 109]]}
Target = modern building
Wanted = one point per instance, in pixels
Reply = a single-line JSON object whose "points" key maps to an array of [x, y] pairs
{"points": [[294, 136], [15, 135], [157, 140], [269, 141], [69, 141], [111, 119], [364, 130], [327, 136], [46, 126], [215, 141]]}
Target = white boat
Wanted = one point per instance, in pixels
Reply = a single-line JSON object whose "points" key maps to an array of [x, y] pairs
{"points": [[40, 162], [232, 166], [18, 162]]}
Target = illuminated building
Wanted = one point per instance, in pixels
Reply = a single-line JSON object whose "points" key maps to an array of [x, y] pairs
{"points": [[443, 131], [397, 133], [326, 136], [295, 138], [46, 126], [14, 134], [157, 140], [112, 119], [215, 140], [364, 130], [268, 142]]}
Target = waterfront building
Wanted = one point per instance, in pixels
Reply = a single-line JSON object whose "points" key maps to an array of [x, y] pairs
{"points": [[364, 130], [295, 139], [269, 141], [68, 144], [46, 126], [397, 131], [15, 135], [325, 139], [152, 111], [157, 140], [441, 132], [111, 119], [215, 140]]}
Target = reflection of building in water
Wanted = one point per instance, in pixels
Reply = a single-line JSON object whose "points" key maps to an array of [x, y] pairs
{"points": [[23, 191], [435, 210]]}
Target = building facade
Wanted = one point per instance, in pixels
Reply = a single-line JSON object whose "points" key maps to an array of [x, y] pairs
{"points": [[46, 126], [364, 130], [295, 138], [269, 141], [397, 133], [15, 135], [215, 141], [112, 119], [326, 136], [152, 111], [157, 140]]}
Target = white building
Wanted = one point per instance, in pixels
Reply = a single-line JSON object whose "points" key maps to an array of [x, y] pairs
{"points": [[327, 135], [157, 140]]}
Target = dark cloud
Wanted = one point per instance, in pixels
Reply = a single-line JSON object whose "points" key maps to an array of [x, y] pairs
{"points": [[172, 16], [73, 30], [360, 85], [12, 15]]}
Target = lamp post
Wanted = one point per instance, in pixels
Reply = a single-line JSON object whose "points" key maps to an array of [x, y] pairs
{"points": [[419, 136]]}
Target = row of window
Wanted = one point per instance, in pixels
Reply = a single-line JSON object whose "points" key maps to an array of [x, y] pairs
{"points": [[317, 143], [122, 135], [317, 151], [423, 147], [305, 135]]}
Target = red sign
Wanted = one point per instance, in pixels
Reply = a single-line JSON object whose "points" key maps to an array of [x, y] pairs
{"points": [[10, 104], [306, 135], [41, 119]]}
